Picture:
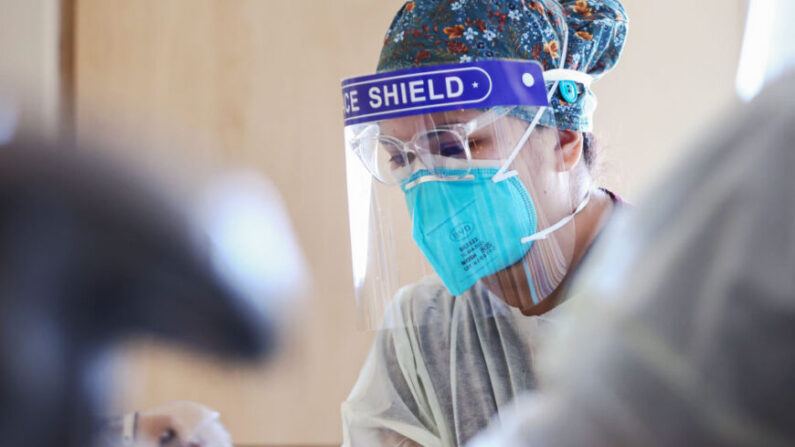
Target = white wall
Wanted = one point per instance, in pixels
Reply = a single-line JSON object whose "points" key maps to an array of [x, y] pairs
{"points": [[29, 70], [675, 78]]}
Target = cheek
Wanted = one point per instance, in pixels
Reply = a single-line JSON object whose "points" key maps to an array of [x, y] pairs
{"points": [[538, 170], [535, 165]]}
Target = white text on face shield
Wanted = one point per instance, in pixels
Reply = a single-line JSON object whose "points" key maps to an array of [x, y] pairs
{"points": [[414, 92], [351, 101]]}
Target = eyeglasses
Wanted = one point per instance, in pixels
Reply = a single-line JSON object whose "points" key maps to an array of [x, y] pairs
{"points": [[443, 150]]}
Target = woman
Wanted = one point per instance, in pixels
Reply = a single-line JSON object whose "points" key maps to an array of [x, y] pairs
{"points": [[493, 161]]}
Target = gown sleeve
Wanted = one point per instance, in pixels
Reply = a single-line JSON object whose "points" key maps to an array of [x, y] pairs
{"points": [[388, 404]]}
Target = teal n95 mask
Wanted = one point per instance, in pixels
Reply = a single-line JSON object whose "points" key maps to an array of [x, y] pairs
{"points": [[474, 227], [469, 228], [450, 193]]}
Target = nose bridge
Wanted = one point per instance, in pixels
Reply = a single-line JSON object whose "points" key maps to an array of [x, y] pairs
{"points": [[426, 160], [433, 161], [411, 147], [425, 155]]}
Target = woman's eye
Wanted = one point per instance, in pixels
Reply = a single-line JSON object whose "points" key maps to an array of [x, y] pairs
{"points": [[400, 160], [452, 149], [397, 160], [476, 147]]}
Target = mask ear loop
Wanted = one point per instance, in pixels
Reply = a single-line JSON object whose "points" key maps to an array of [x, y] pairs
{"points": [[559, 224], [504, 174]]}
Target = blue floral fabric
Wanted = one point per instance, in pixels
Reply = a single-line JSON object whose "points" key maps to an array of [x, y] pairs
{"points": [[432, 32]]}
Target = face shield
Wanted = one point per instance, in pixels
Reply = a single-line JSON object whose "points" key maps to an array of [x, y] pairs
{"points": [[456, 183]]}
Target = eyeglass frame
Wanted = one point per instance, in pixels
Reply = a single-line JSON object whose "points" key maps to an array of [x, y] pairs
{"points": [[461, 130]]}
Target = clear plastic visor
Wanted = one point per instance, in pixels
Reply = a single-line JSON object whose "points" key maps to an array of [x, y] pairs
{"points": [[471, 203]]}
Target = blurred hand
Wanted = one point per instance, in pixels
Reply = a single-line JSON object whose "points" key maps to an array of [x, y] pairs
{"points": [[180, 424]]}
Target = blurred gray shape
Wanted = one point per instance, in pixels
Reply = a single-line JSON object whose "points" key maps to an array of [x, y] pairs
{"points": [[683, 331], [89, 256]]}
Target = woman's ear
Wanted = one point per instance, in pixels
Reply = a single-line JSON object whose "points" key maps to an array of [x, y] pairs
{"points": [[571, 148]]}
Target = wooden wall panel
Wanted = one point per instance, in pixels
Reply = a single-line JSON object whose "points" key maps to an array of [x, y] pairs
{"points": [[251, 83]]}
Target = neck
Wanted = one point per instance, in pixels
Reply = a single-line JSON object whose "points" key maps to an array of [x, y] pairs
{"points": [[588, 223]]}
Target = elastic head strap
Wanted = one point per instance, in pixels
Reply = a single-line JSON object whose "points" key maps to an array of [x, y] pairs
{"points": [[564, 74], [504, 173]]}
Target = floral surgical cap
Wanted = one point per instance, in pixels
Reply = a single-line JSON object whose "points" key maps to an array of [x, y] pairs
{"points": [[433, 32]]}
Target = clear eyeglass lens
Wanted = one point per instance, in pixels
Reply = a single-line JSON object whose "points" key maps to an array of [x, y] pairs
{"points": [[392, 162], [444, 150], [365, 148]]}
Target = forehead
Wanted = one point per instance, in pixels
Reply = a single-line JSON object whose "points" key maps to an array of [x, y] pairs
{"points": [[404, 128]]}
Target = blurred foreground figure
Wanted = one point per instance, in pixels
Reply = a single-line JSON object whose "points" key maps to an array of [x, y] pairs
{"points": [[88, 257], [685, 327]]}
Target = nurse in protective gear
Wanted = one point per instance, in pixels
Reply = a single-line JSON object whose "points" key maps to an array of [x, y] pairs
{"points": [[471, 201]]}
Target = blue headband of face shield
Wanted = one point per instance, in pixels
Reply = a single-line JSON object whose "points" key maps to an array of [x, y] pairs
{"points": [[442, 88]]}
